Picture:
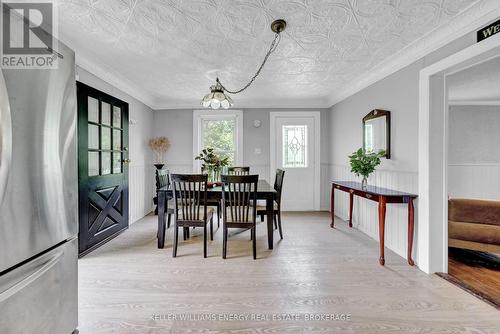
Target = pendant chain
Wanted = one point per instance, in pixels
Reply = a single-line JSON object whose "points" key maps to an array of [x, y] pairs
{"points": [[274, 45]]}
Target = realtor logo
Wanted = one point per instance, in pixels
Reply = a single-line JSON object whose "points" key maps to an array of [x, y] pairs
{"points": [[28, 30]]}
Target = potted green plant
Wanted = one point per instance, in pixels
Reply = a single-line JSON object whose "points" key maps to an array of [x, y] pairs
{"points": [[363, 164], [212, 164]]}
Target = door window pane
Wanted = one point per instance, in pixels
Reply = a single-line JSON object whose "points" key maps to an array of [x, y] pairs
{"points": [[117, 140], [105, 163], [93, 110], [106, 113], [117, 117], [105, 138], [93, 163], [93, 137], [117, 163], [294, 146]]}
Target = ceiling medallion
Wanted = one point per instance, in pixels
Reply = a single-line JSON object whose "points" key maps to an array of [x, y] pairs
{"points": [[218, 98]]}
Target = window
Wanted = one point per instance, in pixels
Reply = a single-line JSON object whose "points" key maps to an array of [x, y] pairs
{"points": [[294, 146], [220, 130], [220, 134]]}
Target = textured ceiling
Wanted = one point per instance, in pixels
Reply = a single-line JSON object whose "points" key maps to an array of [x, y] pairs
{"points": [[173, 49]]}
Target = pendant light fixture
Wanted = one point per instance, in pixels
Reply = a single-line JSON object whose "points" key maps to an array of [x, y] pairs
{"points": [[217, 98]]}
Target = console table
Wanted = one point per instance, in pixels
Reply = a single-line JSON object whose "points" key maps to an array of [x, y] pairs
{"points": [[382, 196]]}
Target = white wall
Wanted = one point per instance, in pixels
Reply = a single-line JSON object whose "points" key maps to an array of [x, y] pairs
{"points": [[141, 171], [177, 125], [474, 152], [398, 93]]}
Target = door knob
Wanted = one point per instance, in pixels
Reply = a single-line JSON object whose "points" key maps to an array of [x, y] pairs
{"points": [[126, 161]]}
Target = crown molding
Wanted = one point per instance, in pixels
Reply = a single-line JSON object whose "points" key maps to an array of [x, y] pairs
{"points": [[308, 103], [469, 20], [115, 80]]}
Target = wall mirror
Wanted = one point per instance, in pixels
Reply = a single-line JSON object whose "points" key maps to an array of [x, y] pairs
{"points": [[377, 132]]}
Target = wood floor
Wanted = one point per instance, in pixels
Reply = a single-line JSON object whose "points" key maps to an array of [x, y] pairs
{"points": [[130, 286], [476, 271]]}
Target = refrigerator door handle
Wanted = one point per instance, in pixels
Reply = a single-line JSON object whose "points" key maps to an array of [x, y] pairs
{"points": [[5, 138], [29, 278]]}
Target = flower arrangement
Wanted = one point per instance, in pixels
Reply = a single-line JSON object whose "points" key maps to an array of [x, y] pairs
{"points": [[159, 145], [211, 163], [363, 164]]}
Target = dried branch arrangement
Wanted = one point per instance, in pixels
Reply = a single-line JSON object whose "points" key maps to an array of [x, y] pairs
{"points": [[159, 145]]}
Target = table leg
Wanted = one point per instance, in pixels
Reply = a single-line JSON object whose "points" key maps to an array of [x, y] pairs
{"points": [[270, 214], [351, 204], [332, 206], [161, 219], [410, 230], [381, 227]]}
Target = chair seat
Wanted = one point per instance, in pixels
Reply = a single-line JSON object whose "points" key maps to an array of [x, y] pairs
{"points": [[239, 224], [210, 213], [264, 208]]}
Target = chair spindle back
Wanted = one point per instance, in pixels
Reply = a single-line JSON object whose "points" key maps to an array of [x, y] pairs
{"points": [[239, 193], [278, 183], [190, 195], [238, 170]]}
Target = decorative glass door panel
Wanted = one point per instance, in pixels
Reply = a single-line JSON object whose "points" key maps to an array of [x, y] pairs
{"points": [[294, 146]]}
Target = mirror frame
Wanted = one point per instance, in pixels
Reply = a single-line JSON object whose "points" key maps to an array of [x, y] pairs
{"points": [[376, 113]]}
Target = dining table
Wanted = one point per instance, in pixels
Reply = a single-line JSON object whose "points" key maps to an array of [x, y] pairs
{"points": [[264, 192]]}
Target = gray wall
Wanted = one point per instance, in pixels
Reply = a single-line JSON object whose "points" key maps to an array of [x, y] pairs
{"points": [[177, 125], [474, 152], [141, 172], [474, 135], [398, 93]]}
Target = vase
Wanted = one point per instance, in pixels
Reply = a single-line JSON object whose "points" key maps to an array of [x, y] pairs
{"points": [[159, 166], [213, 173], [364, 183]]}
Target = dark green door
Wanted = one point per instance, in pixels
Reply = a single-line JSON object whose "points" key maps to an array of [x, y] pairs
{"points": [[102, 167]]}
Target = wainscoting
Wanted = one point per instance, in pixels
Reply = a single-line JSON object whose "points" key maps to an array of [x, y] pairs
{"points": [[141, 191], [365, 213], [474, 181]]}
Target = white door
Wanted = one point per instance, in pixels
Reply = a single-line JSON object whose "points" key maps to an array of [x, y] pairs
{"points": [[295, 149]]}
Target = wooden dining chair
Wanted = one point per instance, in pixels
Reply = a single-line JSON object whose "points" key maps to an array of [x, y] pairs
{"points": [[261, 210], [163, 180], [238, 170], [190, 206], [239, 194]]}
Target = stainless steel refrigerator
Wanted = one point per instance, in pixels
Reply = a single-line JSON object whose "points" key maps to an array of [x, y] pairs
{"points": [[38, 199]]}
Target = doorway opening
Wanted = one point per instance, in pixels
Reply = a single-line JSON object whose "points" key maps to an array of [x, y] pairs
{"points": [[473, 173], [433, 151]]}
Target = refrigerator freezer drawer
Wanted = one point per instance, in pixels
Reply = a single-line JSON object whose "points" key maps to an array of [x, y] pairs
{"points": [[41, 296]]}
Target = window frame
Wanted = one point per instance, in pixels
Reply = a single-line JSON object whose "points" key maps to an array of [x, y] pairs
{"points": [[201, 115]]}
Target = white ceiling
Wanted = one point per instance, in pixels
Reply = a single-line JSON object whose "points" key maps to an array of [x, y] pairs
{"points": [[479, 84], [169, 51]]}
